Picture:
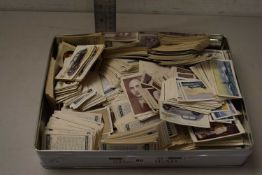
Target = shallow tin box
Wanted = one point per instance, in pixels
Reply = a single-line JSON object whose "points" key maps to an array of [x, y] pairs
{"points": [[122, 158]]}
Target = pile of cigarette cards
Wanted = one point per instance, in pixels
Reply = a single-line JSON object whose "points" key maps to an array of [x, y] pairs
{"points": [[142, 91]]}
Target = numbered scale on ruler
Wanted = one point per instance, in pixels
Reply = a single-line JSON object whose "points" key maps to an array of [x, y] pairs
{"points": [[105, 15]]}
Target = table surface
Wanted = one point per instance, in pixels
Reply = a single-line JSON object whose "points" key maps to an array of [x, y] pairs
{"points": [[25, 40]]}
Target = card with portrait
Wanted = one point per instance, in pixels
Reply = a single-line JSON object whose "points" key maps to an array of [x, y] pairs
{"points": [[132, 87]]}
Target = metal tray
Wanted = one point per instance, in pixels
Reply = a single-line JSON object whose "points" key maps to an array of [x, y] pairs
{"points": [[122, 159]]}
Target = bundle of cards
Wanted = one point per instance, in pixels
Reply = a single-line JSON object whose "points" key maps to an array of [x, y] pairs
{"points": [[64, 91], [114, 69], [177, 49], [151, 137], [116, 40], [80, 95], [219, 76], [68, 130], [162, 48], [124, 45], [80, 62]]}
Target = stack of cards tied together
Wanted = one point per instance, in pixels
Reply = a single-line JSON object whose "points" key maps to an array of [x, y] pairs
{"points": [[142, 91]]}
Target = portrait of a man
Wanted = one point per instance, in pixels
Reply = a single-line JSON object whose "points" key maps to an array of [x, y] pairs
{"points": [[132, 86]]}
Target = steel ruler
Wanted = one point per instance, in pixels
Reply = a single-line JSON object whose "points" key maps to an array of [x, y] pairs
{"points": [[105, 15]]}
